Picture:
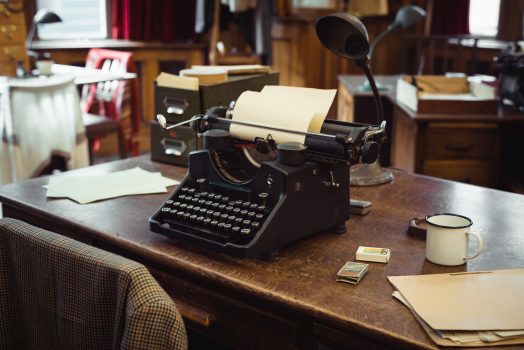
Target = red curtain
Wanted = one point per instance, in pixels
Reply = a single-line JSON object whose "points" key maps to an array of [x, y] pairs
{"points": [[450, 17], [154, 20]]}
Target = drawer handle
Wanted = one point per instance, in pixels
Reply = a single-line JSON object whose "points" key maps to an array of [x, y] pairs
{"points": [[456, 148], [200, 317]]}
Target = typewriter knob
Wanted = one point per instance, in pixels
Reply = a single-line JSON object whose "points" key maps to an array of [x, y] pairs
{"points": [[370, 152], [217, 139], [291, 153]]}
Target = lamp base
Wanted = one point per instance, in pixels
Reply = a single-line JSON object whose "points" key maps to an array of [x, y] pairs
{"points": [[365, 86], [370, 175]]}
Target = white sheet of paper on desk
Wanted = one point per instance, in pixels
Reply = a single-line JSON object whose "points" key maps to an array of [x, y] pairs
{"points": [[87, 189], [284, 107], [466, 301]]}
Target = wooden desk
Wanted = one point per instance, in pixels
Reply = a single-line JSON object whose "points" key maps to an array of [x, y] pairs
{"points": [[149, 57], [474, 148], [294, 302]]}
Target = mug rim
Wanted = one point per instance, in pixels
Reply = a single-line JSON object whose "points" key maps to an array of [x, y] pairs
{"points": [[449, 214]]}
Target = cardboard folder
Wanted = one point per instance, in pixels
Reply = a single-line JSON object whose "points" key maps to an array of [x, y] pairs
{"points": [[475, 301]]}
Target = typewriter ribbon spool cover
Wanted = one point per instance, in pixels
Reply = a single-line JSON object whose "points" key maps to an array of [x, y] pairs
{"points": [[292, 108]]}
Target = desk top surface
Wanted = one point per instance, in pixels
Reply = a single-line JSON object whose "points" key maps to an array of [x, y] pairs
{"points": [[303, 280], [352, 83]]}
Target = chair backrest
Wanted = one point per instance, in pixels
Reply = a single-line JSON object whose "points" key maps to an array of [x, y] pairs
{"points": [[58, 293], [115, 99], [439, 54], [42, 117]]}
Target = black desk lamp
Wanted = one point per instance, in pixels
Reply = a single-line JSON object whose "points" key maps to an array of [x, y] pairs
{"points": [[43, 16], [347, 37], [406, 17]]}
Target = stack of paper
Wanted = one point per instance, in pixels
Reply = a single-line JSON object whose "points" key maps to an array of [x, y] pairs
{"points": [[467, 309], [87, 189]]}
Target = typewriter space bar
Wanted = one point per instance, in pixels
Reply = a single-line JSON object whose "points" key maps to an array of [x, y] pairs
{"points": [[198, 231]]}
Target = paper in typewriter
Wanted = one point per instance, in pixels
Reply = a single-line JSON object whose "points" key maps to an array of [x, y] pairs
{"points": [[284, 107]]}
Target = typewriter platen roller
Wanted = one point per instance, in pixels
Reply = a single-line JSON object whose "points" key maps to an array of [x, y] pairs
{"points": [[249, 198]]}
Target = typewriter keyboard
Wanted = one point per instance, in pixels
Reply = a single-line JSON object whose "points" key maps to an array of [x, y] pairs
{"points": [[214, 216]]}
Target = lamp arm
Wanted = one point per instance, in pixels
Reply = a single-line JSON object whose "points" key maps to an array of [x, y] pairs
{"points": [[392, 27], [29, 40], [364, 65]]}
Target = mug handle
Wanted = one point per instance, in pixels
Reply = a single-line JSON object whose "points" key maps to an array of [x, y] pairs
{"points": [[480, 245]]}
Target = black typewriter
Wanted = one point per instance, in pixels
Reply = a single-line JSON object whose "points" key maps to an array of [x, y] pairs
{"points": [[249, 199]]}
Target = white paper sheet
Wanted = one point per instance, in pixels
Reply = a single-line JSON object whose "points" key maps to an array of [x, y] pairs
{"points": [[87, 189]]}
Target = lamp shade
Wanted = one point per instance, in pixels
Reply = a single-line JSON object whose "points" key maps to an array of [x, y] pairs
{"points": [[43, 16], [344, 35], [408, 15], [46, 16]]}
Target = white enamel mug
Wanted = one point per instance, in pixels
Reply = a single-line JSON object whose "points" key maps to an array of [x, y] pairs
{"points": [[447, 239]]}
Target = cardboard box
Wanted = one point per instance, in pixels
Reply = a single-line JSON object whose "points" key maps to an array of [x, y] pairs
{"points": [[441, 94], [178, 105]]}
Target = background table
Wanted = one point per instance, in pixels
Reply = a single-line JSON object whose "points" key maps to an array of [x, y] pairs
{"points": [[479, 148]]}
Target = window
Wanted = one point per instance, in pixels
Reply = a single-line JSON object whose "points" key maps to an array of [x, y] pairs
{"points": [[484, 17], [82, 19]]}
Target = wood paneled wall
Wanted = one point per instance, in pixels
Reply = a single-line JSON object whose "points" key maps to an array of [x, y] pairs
{"points": [[302, 60]]}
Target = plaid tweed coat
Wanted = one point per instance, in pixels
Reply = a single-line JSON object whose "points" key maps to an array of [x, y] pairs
{"points": [[57, 293]]}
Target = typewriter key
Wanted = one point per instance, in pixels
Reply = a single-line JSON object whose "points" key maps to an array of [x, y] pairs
{"points": [[169, 202], [227, 227], [218, 197], [253, 206], [235, 229], [255, 225], [207, 221], [186, 216], [225, 199], [246, 204], [251, 214], [191, 191], [166, 209], [184, 189], [193, 217], [214, 223], [245, 231], [246, 223], [259, 216], [243, 212], [229, 208]]}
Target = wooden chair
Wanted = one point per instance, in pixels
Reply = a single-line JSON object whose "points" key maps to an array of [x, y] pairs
{"points": [[112, 105], [438, 54]]}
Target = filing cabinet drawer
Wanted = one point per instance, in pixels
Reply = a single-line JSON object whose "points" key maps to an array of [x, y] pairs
{"points": [[461, 141], [6, 15], [476, 172], [12, 53], [11, 33], [228, 320]]}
